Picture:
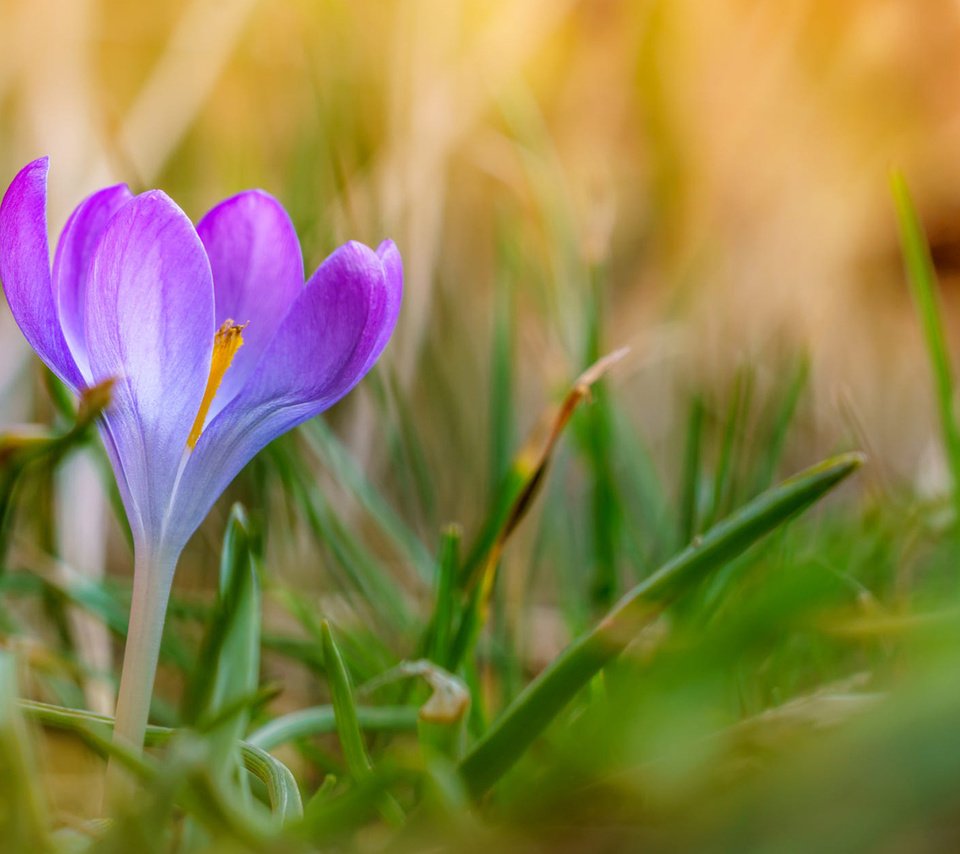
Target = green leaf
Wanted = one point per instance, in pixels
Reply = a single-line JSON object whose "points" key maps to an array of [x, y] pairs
{"points": [[550, 692]]}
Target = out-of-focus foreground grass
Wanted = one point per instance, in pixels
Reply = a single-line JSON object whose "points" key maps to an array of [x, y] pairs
{"points": [[706, 183]]}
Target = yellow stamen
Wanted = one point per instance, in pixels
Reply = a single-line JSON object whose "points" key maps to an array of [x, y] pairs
{"points": [[225, 345]]}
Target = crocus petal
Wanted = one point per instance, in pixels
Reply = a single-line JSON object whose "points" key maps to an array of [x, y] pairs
{"points": [[389, 256], [25, 270], [328, 341], [257, 273], [71, 264], [149, 324]]}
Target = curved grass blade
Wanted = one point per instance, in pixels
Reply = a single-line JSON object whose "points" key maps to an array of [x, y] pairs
{"points": [[442, 716], [181, 783], [282, 791], [320, 720], [550, 692]]}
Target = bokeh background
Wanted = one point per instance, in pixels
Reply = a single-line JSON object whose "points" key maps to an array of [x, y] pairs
{"points": [[708, 182], [725, 165]]}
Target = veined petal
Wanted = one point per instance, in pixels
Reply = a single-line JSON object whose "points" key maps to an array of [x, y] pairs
{"points": [[25, 270], [71, 264], [149, 323], [257, 274], [331, 337]]}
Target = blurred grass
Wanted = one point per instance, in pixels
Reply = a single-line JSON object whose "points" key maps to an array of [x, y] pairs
{"points": [[705, 184]]}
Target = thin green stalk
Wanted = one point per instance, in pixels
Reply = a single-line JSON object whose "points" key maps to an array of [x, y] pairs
{"points": [[152, 579], [690, 496], [923, 284], [550, 692]]}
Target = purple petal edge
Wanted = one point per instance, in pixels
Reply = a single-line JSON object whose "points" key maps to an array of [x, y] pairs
{"points": [[25, 270]]}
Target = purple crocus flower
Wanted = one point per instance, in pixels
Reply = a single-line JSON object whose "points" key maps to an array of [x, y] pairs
{"points": [[139, 295]]}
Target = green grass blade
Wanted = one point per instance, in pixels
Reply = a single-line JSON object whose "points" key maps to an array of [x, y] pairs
{"points": [[228, 669], [643, 498], [335, 456], [724, 481], [107, 602], [501, 379], [23, 821], [282, 791], [408, 455], [923, 285], [690, 492], [360, 568], [348, 723], [549, 693], [605, 501], [597, 440], [446, 606], [320, 720], [345, 709], [779, 422], [365, 653]]}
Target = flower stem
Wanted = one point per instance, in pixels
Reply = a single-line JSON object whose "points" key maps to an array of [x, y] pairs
{"points": [[152, 579]]}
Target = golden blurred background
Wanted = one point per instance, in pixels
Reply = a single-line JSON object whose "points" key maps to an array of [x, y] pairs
{"points": [[726, 163]]}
